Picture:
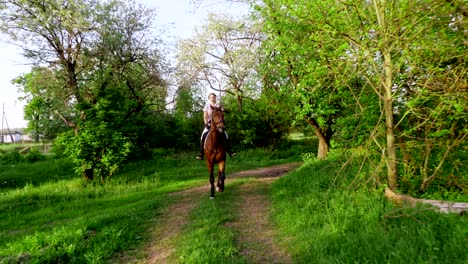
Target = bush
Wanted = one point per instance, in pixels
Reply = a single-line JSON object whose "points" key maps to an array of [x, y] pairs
{"points": [[12, 157], [97, 150], [34, 155]]}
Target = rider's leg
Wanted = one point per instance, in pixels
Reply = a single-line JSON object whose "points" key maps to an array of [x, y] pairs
{"points": [[202, 143], [228, 146]]}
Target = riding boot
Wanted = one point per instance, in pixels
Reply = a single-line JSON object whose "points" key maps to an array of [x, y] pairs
{"points": [[202, 143]]}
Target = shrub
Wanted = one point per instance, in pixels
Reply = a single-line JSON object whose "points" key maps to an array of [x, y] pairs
{"points": [[12, 157], [34, 155]]}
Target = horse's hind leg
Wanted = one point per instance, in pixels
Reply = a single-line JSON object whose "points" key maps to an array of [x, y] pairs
{"points": [[221, 177], [212, 180]]}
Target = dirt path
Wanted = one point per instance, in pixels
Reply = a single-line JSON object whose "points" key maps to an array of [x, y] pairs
{"points": [[256, 237]]}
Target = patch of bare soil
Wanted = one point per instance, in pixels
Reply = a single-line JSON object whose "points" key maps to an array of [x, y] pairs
{"points": [[177, 216], [273, 171], [255, 233]]}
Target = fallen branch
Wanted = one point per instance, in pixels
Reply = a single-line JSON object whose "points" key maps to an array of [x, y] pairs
{"points": [[442, 206]]}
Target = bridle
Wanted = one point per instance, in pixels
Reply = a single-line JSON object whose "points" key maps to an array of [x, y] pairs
{"points": [[216, 124]]}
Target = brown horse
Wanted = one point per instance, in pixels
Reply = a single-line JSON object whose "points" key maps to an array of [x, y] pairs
{"points": [[215, 149]]}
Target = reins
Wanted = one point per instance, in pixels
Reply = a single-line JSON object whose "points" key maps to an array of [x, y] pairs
{"points": [[213, 123]]}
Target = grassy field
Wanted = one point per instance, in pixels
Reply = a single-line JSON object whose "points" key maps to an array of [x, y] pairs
{"points": [[49, 215], [325, 219]]}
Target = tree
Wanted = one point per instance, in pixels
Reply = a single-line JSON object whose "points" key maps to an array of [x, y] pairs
{"points": [[432, 121], [107, 59], [51, 32], [222, 56], [388, 47], [44, 97], [188, 115], [381, 42], [300, 62]]}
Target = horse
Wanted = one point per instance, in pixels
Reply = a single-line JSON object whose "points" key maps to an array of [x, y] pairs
{"points": [[215, 150]]}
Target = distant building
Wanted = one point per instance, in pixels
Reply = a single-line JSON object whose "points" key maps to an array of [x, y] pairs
{"points": [[13, 136]]}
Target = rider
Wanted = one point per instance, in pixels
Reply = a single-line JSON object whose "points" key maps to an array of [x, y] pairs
{"points": [[207, 118]]}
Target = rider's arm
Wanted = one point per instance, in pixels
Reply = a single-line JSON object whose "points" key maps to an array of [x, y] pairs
{"points": [[205, 117]]}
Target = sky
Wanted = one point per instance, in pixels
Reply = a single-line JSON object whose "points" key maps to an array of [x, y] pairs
{"points": [[179, 17]]}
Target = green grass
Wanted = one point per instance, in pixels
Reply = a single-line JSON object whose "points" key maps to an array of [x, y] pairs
{"points": [[325, 220], [207, 239], [4, 148], [66, 222], [22, 174], [49, 215]]}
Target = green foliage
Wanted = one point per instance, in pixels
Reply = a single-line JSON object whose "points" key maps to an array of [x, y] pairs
{"points": [[46, 102], [449, 183], [308, 65], [325, 220], [11, 157], [98, 148], [336, 68], [106, 79], [34, 155], [258, 125], [188, 115], [359, 120], [434, 133], [164, 131]]}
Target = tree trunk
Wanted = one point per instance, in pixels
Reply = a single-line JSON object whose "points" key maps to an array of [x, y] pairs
{"points": [[324, 139], [391, 147], [387, 96], [323, 147], [88, 174], [239, 103]]}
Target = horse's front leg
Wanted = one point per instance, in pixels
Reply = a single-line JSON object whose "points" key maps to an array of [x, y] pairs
{"points": [[212, 179], [221, 177]]}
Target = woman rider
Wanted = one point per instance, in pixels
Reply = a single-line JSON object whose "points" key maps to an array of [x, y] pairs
{"points": [[207, 119]]}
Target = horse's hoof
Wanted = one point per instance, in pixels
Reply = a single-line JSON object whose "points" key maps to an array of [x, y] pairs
{"points": [[211, 197], [218, 189]]}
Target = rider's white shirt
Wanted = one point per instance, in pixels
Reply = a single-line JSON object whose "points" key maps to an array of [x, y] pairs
{"points": [[207, 108]]}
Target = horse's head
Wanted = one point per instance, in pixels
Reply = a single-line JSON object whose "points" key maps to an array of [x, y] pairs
{"points": [[217, 118]]}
